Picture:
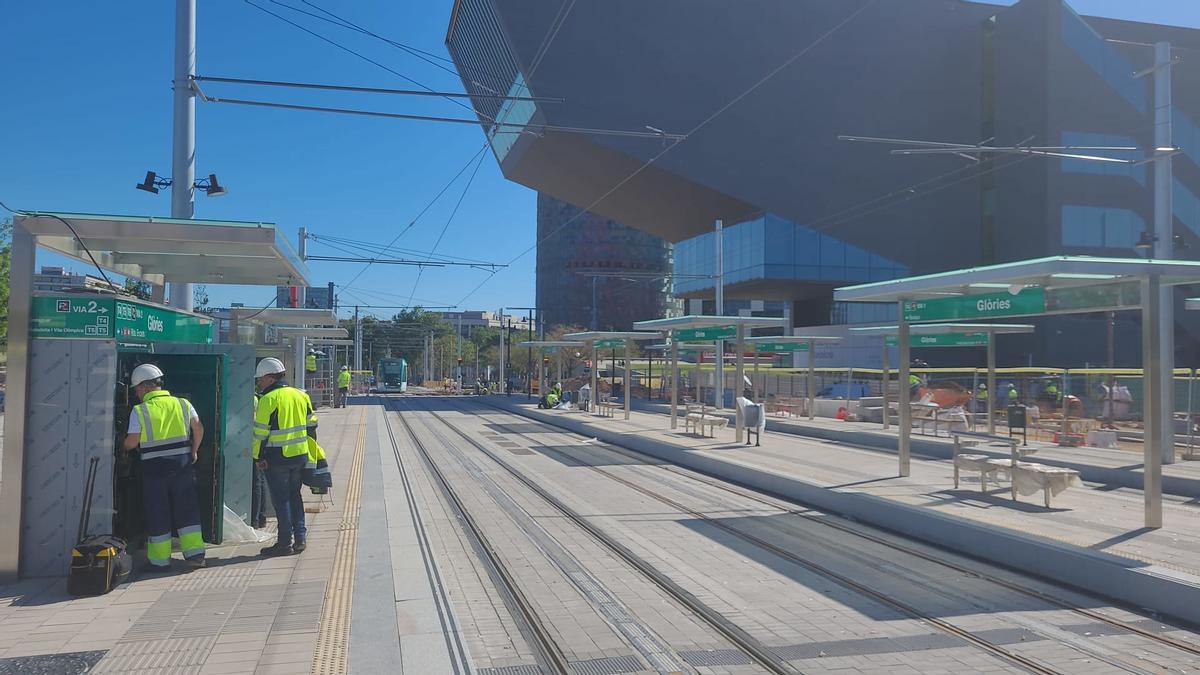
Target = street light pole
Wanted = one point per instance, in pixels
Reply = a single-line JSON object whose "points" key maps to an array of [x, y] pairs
{"points": [[719, 376], [183, 146], [1163, 243]]}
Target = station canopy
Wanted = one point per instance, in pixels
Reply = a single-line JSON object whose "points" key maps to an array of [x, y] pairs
{"points": [[1055, 285], [329, 342], [551, 344], [287, 316], [596, 335], [697, 322], [948, 329], [163, 250], [326, 333]]}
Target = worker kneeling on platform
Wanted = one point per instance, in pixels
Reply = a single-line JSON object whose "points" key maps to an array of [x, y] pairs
{"points": [[167, 432], [283, 424]]}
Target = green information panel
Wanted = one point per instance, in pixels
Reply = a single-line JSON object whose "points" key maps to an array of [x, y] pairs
{"points": [[945, 340], [714, 333], [72, 317], [781, 346], [1028, 301], [605, 344], [107, 318]]}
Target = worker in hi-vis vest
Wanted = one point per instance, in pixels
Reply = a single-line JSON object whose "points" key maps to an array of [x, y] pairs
{"points": [[310, 361], [167, 433], [343, 386], [283, 424]]}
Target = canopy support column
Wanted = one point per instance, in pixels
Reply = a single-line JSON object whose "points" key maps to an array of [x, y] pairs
{"points": [[812, 399], [628, 374], [1152, 400], [903, 339], [674, 383], [886, 386], [740, 377], [594, 394], [991, 382]]}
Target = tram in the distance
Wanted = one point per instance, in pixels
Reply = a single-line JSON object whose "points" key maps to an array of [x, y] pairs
{"points": [[391, 376]]}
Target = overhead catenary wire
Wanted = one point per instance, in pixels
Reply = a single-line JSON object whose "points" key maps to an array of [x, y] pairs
{"points": [[409, 49], [703, 123], [449, 219], [74, 234], [358, 54], [422, 212], [368, 90]]}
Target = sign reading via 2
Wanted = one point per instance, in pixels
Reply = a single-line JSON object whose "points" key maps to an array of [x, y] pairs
{"points": [[1028, 301]]}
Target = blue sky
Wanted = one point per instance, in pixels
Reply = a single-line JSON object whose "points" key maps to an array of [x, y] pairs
{"points": [[87, 111]]}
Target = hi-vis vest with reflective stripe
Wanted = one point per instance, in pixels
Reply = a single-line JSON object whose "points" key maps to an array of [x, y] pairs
{"points": [[166, 425], [283, 419], [344, 379], [310, 363]]}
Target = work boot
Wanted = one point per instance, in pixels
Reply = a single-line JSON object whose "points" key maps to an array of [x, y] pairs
{"points": [[196, 563], [299, 546], [276, 550]]}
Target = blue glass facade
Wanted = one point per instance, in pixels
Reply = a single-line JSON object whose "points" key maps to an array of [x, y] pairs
{"points": [[1102, 58], [772, 248], [487, 66]]}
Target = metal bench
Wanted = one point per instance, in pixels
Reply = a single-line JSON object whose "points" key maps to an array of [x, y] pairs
{"points": [[608, 408], [697, 418], [1049, 479]]}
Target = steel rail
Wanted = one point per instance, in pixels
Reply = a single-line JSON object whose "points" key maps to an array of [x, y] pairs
{"points": [[784, 504], [548, 653]]}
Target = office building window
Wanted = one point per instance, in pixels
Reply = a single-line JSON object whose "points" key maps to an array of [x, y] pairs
{"points": [[1100, 227], [1103, 59], [1078, 138]]}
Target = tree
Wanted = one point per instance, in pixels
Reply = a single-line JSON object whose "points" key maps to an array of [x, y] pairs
{"points": [[200, 296], [136, 288]]}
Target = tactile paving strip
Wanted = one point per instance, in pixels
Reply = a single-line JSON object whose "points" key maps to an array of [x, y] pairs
{"points": [[333, 640], [157, 656]]}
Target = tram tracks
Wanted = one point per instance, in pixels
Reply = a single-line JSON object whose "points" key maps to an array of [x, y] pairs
{"points": [[899, 605], [552, 657]]}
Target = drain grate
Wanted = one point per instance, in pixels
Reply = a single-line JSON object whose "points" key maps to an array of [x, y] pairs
{"points": [[511, 670], [702, 658], [608, 666], [68, 664]]}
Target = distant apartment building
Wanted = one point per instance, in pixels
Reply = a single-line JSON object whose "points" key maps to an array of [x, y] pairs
{"points": [[58, 279]]}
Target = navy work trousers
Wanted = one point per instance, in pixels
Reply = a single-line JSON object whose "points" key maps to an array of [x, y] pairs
{"points": [[284, 478], [169, 495]]}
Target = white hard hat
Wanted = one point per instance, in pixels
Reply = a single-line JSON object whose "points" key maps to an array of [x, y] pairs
{"points": [[312, 351], [269, 366], [345, 368], [144, 372]]}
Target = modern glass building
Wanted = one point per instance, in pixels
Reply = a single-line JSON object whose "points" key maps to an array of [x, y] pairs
{"points": [[598, 274], [805, 211]]}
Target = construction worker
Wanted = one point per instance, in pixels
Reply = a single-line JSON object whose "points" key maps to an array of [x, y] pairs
{"points": [[343, 386], [258, 488], [167, 433], [1012, 393], [981, 398], [283, 424], [310, 362]]}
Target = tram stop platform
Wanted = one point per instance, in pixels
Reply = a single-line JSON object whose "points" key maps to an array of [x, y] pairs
{"points": [[241, 614], [1092, 537]]}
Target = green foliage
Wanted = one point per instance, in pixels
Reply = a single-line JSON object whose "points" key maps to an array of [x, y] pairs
{"points": [[138, 289]]}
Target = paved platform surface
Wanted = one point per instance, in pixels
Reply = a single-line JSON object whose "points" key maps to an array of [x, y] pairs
{"points": [[469, 539], [1099, 517], [1119, 467], [242, 614]]}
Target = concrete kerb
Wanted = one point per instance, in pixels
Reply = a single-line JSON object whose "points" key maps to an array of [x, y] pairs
{"points": [[942, 448], [1138, 585]]}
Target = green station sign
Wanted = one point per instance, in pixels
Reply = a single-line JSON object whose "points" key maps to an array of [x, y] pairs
{"points": [[712, 333], [107, 318], [606, 344], [943, 340], [1028, 301], [781, 346]]}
